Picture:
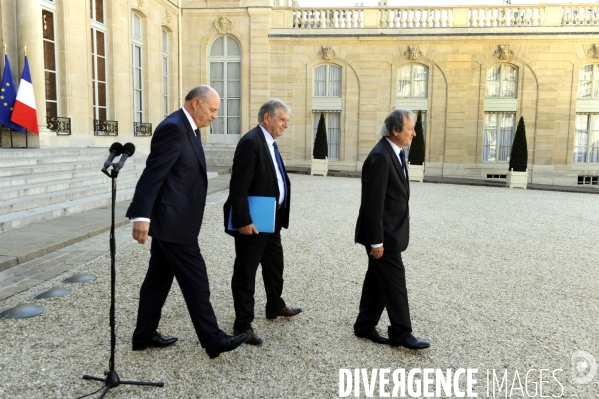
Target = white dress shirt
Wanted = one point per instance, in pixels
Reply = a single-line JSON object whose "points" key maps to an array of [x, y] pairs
{"points": [[193, 127], [396, 150], [270, 141]]}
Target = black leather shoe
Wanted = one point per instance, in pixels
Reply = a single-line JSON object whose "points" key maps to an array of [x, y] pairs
{"points": [[287, 311], [372, 335], [410, 342], [228, 343], [254, 339], [157, 340]]}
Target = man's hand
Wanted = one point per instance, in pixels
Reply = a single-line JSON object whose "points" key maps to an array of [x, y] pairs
{"points": [[377, 252], [140, 231], [248, 230]]}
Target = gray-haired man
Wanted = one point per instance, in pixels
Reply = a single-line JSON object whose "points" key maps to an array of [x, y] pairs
{"points": [[258, 170]]}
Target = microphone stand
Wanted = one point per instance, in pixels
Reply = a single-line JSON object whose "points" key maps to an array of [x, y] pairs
{"points": [[112, 379]]}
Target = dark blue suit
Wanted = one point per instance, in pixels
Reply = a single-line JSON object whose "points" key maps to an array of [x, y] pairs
{"points": [[172, 193], [384, 217]]}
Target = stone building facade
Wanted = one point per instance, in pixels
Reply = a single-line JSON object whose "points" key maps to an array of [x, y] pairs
{"points": [[472, 71]]}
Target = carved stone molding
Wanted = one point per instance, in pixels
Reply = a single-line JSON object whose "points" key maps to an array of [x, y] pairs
{"points": [[503, 51], [413, 52], [326, 53], [168, 18], [222, 25], [594, 50]]}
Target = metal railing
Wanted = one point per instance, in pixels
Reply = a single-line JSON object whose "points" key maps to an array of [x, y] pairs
{"points": [[59, 125], [142, 129], [106, 128]]}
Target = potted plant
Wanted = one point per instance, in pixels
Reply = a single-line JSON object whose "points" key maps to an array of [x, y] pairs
{"points": [[416, 156], [320, 161], [517, 175]]}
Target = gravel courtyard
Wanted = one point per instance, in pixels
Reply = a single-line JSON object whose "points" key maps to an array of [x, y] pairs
{"points": [[497, 279]]}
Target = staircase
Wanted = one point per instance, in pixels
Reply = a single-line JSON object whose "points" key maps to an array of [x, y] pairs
{"points": [[219, 154], [42, 184]]}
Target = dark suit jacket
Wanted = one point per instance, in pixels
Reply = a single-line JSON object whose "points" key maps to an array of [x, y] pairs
{"points": [[384, 212], [172, 188], [253, 174]]}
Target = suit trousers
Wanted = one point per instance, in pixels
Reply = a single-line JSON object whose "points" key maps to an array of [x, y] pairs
{"points": [[251, 250], [185, 262], [385, 287]]}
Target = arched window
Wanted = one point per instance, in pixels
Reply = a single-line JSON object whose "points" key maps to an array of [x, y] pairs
{"points": [[412, 81], [165, 71], [225, 78], [502, 81], [326, 99], [99, 61], [137, 45], [586, 141]]}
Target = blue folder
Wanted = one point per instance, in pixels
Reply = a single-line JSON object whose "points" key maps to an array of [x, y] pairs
{"points": [[262, 212]]}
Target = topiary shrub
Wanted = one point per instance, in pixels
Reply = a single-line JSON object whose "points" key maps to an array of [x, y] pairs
{"points": [[321, 147], [519, 153], [416, 156]]}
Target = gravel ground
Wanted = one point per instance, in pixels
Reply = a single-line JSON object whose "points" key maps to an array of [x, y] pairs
{"points": [[498, 279]]}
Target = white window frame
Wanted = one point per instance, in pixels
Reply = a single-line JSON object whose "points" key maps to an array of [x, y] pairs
{"points": [[223, 112], [137, 69], [333, 134], [500, 140], [413, 80], [503, 70], [328, 81], [594, 81], [98, 27], [588, 153], [165, 73], [51, 7]]}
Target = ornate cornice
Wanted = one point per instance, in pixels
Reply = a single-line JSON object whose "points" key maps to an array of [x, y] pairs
{"points": [[503, 51], [222, 25], [413, 52], [326, 53]]}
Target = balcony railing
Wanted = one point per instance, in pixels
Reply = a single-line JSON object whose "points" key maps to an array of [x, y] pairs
{"points": [[441, 17], [59, 125], [106, 128], [142, 129]]}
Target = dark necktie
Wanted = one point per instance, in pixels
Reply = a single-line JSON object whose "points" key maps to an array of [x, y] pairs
{"points": [[197, 132], [281, 169], [403, 162]]}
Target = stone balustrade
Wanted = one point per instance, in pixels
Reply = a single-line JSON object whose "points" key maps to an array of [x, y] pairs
{"points": [[442, 17]]}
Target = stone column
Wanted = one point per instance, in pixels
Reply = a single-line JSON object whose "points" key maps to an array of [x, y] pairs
{"points": [[29, 33]]}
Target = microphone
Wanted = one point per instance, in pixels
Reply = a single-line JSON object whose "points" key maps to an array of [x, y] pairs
{"points": [[116, 149], [128, 150]]}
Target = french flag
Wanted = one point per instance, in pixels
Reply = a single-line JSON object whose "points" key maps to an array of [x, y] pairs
{"points": [[24, 112]]}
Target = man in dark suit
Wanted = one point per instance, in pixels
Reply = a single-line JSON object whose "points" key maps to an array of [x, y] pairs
{"points": [[384, 229], [169, 205], [258, 170]]}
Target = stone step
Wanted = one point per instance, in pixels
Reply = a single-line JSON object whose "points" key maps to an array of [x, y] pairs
{"points": [[42, 213], [46, 199], [92, 165], [6, 153], [27, 191], [32, 179]]}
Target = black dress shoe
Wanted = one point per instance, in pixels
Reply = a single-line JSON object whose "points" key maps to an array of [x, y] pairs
{"points": [[228, 343], [287, 311], [410, 342], [254, 339], [157, 340], [372, 335]]}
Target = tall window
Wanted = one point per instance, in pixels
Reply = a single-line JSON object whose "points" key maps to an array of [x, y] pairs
{"points": [[502, 81], [499, 135], [99, 80], [50, 70], [332, 121], [165, 86], [327, 81], [586, 142], [588, 81], [137, 43], [412, 81], [225, 78]]}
